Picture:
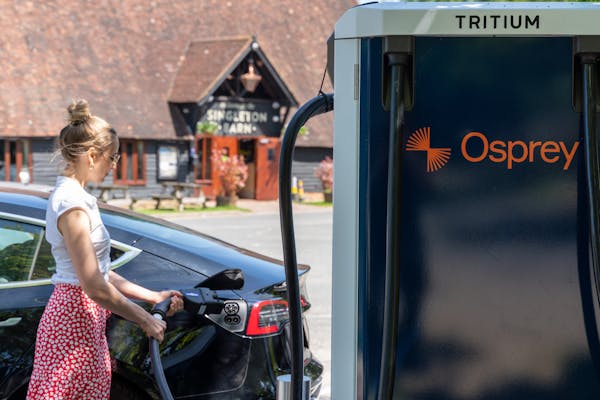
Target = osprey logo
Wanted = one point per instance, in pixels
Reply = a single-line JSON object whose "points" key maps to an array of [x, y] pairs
{"points": [[420, 140], [475, 148]]}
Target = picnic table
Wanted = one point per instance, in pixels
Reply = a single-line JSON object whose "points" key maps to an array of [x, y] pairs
{"points": [[177, 190], [107, 191]]}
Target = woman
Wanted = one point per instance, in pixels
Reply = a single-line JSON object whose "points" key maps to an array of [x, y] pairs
{"points": [[71, 355]]}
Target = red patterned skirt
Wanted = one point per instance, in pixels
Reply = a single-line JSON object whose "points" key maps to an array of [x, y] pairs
{"points": [[71, 353]]}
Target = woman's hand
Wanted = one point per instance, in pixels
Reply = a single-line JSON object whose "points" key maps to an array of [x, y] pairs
{"points": [[154, 327], [176, 300]]}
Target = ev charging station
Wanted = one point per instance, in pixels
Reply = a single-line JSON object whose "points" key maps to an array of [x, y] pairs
{"points": [[465, 230]]}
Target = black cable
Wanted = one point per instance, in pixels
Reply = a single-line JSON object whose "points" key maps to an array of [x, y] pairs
{"points": [[317, 105], [159, 311], [159, 374], [389, 345], [592, 164], [323, 80]]}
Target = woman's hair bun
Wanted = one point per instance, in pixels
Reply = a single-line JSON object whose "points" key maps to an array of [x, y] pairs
{"points": [[79, 111]]}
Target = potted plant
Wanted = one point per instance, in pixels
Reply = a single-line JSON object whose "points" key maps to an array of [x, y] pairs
{"points": [[303, 131], [325, 173], [206, 128], [232, 173]]}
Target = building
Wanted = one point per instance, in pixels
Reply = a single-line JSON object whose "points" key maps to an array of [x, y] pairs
{"points": [[238, 104], [156, 69]]}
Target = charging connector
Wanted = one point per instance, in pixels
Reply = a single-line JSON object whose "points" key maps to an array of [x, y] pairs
{"points": [[202, 301]]}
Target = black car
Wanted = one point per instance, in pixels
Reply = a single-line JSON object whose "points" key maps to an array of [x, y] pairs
{"points": [[235, 354]]}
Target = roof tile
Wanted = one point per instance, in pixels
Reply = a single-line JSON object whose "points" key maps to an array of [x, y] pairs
{"points": [[123, 57], [213, 56]]}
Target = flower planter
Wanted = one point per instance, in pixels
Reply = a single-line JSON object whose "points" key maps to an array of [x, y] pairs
{"points": [[232, 173], [226, 201]]}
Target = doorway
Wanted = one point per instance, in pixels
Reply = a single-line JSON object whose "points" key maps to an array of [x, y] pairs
{"points": [[246, 149], [261, 155]]}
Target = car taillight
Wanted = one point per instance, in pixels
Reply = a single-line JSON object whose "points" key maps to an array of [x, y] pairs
{"points": [[304, 303], [267, 317]]}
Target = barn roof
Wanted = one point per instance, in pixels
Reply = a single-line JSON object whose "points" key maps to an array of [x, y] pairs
{"points": [[125, 57]]}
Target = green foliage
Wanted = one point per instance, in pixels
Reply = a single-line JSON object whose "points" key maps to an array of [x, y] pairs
{"points": [[45, 265], [192, 209], [231, 170], [319, 203], [325, 174], [207, 128], [16, 258], [303, 131], [15, 261]]}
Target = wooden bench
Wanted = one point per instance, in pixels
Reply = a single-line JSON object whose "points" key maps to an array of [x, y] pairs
{"points": [[178, 190], [160, 198], [134, 199], [108, 192], [194, 201]]}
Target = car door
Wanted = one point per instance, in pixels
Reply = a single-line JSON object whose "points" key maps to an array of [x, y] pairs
{"points": [[26, 265]]}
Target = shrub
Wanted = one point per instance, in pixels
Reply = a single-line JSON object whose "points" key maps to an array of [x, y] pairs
{"points": [[231, 170], [208, 128], [325, 173]]}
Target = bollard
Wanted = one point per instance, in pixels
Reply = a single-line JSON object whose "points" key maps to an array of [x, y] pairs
{"points": [[284, 387], [294, 188], [300, 190]]}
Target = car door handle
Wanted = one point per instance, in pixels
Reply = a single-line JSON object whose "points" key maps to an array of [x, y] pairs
{"points": [[10, 322]]}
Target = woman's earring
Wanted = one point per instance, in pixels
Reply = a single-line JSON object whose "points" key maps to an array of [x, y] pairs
{"points": [[91, 166]]}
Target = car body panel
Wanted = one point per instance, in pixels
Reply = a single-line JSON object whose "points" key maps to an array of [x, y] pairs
{"points": [[202, 359]]}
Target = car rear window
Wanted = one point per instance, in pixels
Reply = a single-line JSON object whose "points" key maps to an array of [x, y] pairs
{"points": [[176, 235]]}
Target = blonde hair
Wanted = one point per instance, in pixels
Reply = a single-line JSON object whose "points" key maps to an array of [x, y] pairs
{"points": [[83, 132]]}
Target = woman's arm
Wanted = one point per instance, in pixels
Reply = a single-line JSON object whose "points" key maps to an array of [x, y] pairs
{"points": [[134, 291], [74, 226]]}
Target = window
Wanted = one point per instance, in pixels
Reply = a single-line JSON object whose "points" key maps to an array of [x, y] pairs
{"points": [[24, 253], [131, 169], [202, 164], [26, 256], [16, 158]]}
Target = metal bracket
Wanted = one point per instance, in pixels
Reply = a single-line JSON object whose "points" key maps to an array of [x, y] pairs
{"points": [[586, 50], [330, 56], [398, 49]]}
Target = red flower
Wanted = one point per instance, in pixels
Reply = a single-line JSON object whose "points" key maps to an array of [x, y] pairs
{"points": [[231, 170], [325, 173]]}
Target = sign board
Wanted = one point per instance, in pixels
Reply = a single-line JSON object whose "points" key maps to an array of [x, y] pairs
{"points": [[236, 118], [167, 162]]}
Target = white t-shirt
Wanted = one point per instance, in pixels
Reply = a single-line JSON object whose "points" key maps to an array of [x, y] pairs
{"points": [[69, 194]]}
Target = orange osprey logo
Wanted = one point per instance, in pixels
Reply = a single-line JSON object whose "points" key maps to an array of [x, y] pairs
{"points": [[518, 151], [475, 148], [420, 140]]}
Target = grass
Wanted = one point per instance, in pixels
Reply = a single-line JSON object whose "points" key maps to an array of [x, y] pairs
{"points": [[318, 203], [152, 211]]}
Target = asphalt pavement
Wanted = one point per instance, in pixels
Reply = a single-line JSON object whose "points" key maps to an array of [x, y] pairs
{"points": [[258, 229]]}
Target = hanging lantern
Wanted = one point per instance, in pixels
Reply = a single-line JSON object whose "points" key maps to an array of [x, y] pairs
{"points": [[250, 79]]}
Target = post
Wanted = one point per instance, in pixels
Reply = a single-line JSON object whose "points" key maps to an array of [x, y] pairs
{"points": [[284, 387], [294, 188], [300, 190]]}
